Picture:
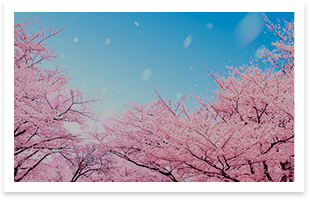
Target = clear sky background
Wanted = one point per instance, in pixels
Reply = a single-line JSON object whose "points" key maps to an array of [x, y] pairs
{"points": [[124, 56]]}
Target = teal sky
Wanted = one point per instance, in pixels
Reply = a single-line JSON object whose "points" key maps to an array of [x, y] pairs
{"points": [[124, 56]]}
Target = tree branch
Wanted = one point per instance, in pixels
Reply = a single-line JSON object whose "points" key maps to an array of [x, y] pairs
{"points": [[31, 168]]}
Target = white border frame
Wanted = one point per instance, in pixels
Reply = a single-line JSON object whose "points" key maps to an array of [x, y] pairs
{"points": [[152, 6]]}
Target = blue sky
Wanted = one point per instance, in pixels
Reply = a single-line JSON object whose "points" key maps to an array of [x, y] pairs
{"points": [[124, 56]]}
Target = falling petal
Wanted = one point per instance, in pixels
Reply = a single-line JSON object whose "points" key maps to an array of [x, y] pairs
{"points": [[103, 90], [75, 39], [248, 29], [77, 70], [179, 95], [62, 56], [146, 74], [196, 85], [117, 61], [209, 25], [187, 41], [191, 67], [258, 53], [107, 42], [136, 23]]}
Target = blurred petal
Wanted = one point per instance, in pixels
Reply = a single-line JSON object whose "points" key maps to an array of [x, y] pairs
{"points": [[187, 41], [258, 53], [146, 74], [209, 25], [103, 90], [62, 56], [107, 42], [179, 95], [248, 29]]}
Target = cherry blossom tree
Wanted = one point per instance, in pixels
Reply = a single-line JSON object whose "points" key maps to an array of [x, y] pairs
{"points": [[90, 160], [245, 133], [43, 101]]}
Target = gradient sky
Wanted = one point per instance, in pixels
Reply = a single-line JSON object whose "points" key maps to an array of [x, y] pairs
{"points": [[124, 56]]}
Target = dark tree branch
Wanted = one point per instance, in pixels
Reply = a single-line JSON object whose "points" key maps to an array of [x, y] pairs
{"points": [[266, 171], [31, 168], [168, 174], [275, 143]]}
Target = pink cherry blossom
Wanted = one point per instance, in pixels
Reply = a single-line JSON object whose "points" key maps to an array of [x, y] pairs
{"points": [[245, 133], [43, 101]]}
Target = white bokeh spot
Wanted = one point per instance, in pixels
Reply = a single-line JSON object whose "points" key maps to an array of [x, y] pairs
{"points": [[103, 90], [106, 115], [258, 53], [248, 29], [179, 95], [209, 25], [62, 56]]}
